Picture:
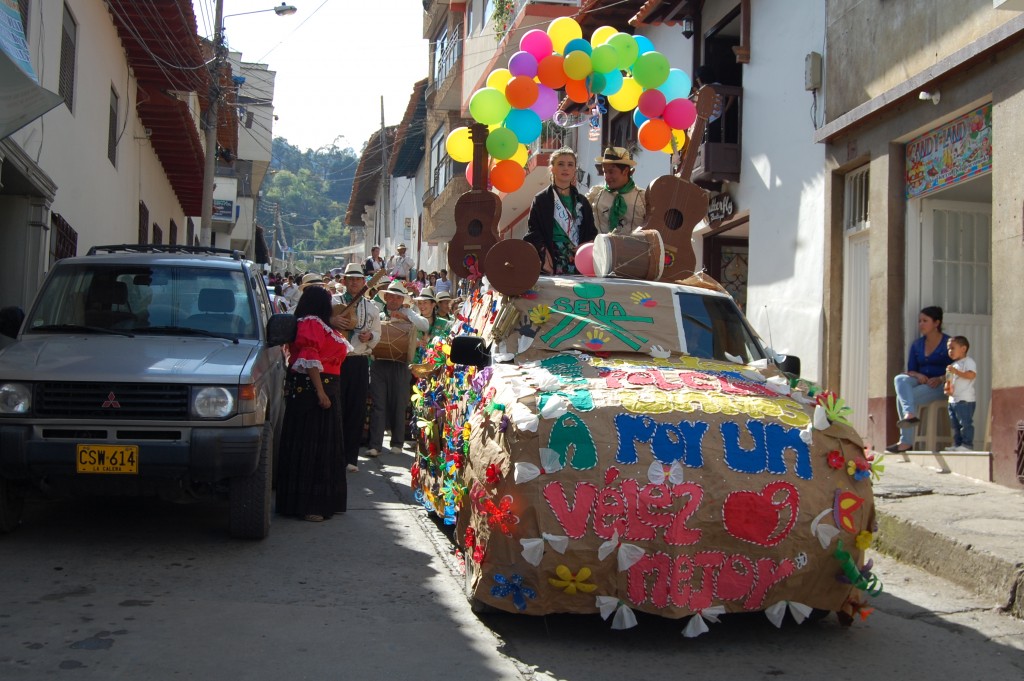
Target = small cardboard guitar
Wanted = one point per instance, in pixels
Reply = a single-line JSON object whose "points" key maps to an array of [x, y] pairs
{"points": [[477, 213], [675, 205]]}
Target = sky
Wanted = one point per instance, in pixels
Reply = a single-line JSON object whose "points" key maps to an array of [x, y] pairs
{"points": [[334, 60]]}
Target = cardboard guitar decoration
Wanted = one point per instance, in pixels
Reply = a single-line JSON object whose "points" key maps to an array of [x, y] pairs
{"points": [[476, 216], [675, 205]]}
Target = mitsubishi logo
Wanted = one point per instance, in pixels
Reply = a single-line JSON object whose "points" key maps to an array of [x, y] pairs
{"points": [[112, 401]]}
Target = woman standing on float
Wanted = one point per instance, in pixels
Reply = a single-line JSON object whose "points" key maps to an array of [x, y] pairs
{"points": [[560, 218]]}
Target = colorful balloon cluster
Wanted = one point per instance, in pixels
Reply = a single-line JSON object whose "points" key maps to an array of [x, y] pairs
{"points": [[625, 69]]}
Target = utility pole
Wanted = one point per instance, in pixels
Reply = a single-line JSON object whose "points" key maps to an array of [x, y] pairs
{"points": [[277, 228], [384, 214], [212, 114]]}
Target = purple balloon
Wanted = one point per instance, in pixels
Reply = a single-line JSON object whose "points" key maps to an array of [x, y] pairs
{"points": [[546, 104], [523, 64], [537, 43]]}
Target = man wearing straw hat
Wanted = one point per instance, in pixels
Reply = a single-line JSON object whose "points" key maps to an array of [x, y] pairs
{"points": [[400, 266], [361, 324], [619, 205], [391, 380]]}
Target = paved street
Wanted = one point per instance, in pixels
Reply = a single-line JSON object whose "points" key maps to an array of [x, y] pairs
{"points": [[128, 589]]}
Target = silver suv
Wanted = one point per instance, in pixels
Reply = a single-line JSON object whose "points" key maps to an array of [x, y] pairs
{"points": [[146, 370]]}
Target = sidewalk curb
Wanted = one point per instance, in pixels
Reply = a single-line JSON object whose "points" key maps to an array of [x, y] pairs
{"points": [[960, 563]]}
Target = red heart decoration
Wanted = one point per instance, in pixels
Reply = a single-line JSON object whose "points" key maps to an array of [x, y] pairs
{"points": [[756, 516]]}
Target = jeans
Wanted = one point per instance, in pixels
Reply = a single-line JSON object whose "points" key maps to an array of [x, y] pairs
{"points": [[910, 397], [961, 419]]}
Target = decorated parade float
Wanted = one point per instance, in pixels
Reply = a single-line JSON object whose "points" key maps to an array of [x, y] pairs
{"points": [[624, 441]]}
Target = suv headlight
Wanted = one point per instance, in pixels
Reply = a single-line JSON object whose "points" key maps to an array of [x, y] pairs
{"points": [[15, 398], [213, 402]]}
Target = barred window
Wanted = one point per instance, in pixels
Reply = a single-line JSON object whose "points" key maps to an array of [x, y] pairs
{"points": [[68, 45], [112, 128], [65, 239], [855, 206], [143, 223]]}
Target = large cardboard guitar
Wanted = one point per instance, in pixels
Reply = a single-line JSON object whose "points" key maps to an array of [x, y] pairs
{"points": [[675, 205], [476, 216]]}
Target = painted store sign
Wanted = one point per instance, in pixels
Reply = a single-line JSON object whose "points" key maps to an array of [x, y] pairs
{"points": [[950, 154]]}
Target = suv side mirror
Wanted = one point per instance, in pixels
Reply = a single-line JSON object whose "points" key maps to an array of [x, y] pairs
{"points": [[281, 328], [471, 351], [10, 321], [790, 366]]}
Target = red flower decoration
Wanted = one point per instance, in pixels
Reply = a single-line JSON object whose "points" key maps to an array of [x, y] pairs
{"points": [[835, 459], [493, 474], [470, 538], [500, 514]]}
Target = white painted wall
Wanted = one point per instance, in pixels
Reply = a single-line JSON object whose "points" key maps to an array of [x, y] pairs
{"points": [[98, 199]]}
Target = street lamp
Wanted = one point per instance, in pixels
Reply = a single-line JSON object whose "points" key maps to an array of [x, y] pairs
{"points": [[210, 166]]}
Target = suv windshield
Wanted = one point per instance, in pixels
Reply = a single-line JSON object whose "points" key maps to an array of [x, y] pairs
{"points": [[146, 298], [713, 326]]}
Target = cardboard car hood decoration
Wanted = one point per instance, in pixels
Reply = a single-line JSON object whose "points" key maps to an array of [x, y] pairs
{"points": [[632, 449]]}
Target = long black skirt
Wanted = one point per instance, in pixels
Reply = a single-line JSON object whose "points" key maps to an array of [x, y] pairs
{"points": [[311, 470]]}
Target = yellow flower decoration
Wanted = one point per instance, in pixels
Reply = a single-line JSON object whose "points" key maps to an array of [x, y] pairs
{"points": [[571, 583], [465, 432], [863, 540], [540, 314]]}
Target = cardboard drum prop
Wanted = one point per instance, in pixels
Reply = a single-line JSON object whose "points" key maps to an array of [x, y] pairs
{"points": [[395, 343], [640, 255]]}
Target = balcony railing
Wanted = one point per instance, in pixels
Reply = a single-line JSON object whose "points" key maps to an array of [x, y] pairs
{"points": [[720, 153], [445, 171], [444, 63]]}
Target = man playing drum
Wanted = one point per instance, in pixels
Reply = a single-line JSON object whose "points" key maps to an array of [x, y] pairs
{"points": [[619, 205], [390, 377], [361, 324]]}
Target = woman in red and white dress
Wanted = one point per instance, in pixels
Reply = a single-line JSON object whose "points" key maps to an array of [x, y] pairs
{"points": [[311, 481]]}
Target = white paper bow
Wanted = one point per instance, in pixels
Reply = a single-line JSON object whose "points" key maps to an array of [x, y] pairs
{"points": [[696, 626], [806, 435], [525, 342], [533, 548], [501, 353], [821, 421], [628, 556], [734, 359], [753, 376], [544, 380], [824, 533], [778, 384], [554, 406], [624, 617], [523, 418], [549, 463], [656, 473], [777, 612]]}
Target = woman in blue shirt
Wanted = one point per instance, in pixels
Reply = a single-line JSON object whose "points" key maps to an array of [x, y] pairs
{"points": [[926, 370]]}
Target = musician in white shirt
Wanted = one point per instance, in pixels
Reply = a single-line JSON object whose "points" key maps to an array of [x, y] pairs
{"points": [[400, 266]]}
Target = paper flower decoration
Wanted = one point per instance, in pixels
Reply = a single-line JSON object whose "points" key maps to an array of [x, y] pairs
{"points": [[858, 470], [549, 463], [777, 612], [845, 505], [493, 474], [835, 408], [533, 547], [540, 314], [877, 467], [629, 554], [659, 473], [571, 583], [512, 586], [499, 515], [624, 616], [835, 459], [863, 540], [697, 626]]}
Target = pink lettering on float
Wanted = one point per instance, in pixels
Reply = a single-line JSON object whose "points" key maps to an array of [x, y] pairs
{"points": [[573, 518], [618, 379]]}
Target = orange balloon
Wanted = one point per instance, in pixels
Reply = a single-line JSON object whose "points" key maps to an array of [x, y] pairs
{"points": [[654, 134], [507, 176], [577, 91], [550, 71], [521, 92]]}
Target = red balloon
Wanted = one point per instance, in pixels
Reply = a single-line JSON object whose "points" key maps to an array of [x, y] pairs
{"points": [[550, 71], [577, 91], [652, 103], [680, 113], [654, 134], [507, 176], [521, 92]]}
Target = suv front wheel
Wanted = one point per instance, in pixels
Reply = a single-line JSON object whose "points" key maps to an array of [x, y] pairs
{"points": [[250, 497]]}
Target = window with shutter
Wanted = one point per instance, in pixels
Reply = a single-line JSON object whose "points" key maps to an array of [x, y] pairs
{"points": [[112, 129], [23, 10], [143, 223], [68, 42]]}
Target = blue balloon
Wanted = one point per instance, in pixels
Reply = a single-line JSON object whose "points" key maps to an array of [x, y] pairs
{"points": [[677, 85], [524, 123], [577, 44], [606, 83], [638, 118], [644, 43]]}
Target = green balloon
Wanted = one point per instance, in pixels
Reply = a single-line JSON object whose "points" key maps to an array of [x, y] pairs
{"points": [[626, 47], [605, 58], [489, 106], [651, 69], [502, 143]]}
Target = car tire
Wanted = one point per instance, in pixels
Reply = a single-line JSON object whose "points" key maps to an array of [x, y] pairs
{"points": [[477, 606], [12, 505], [249, 497]]}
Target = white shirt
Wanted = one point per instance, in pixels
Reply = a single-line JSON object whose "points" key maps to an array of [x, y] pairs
{"points": [[963, 388], [401, 266], [442, 285]]}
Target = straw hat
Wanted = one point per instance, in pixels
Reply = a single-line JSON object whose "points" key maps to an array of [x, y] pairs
{"points": [[426, 293], [397, 287], [442, 295], [617, 156], [312, 279], [354, 270]]}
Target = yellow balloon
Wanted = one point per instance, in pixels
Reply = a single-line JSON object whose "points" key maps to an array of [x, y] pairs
{"points": [[677, 143], [628, 95], [460, 145], [577, 65], [522, 155], [561, 31], [601, 35], [499, 78]]}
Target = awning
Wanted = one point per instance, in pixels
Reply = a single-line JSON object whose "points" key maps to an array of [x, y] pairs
{"points": [[24, 100], [347, 250]]}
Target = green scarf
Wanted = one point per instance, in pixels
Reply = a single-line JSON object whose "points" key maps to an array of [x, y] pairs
{"points": [[618, 210]]}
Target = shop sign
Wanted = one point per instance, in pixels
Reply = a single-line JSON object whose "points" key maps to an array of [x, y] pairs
{"points": [[720, 208], [950, 154]]}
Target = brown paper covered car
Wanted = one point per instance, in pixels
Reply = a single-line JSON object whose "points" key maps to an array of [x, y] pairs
{"points": [[626, 446]]}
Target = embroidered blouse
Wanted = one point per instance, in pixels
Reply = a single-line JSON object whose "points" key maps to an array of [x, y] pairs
{"points": [[317, 345]]}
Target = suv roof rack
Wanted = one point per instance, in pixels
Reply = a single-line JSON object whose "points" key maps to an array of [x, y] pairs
{"points": [[161, 248]]}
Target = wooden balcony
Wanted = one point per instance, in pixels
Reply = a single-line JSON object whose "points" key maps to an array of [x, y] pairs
{"points": [[719, 157]]}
